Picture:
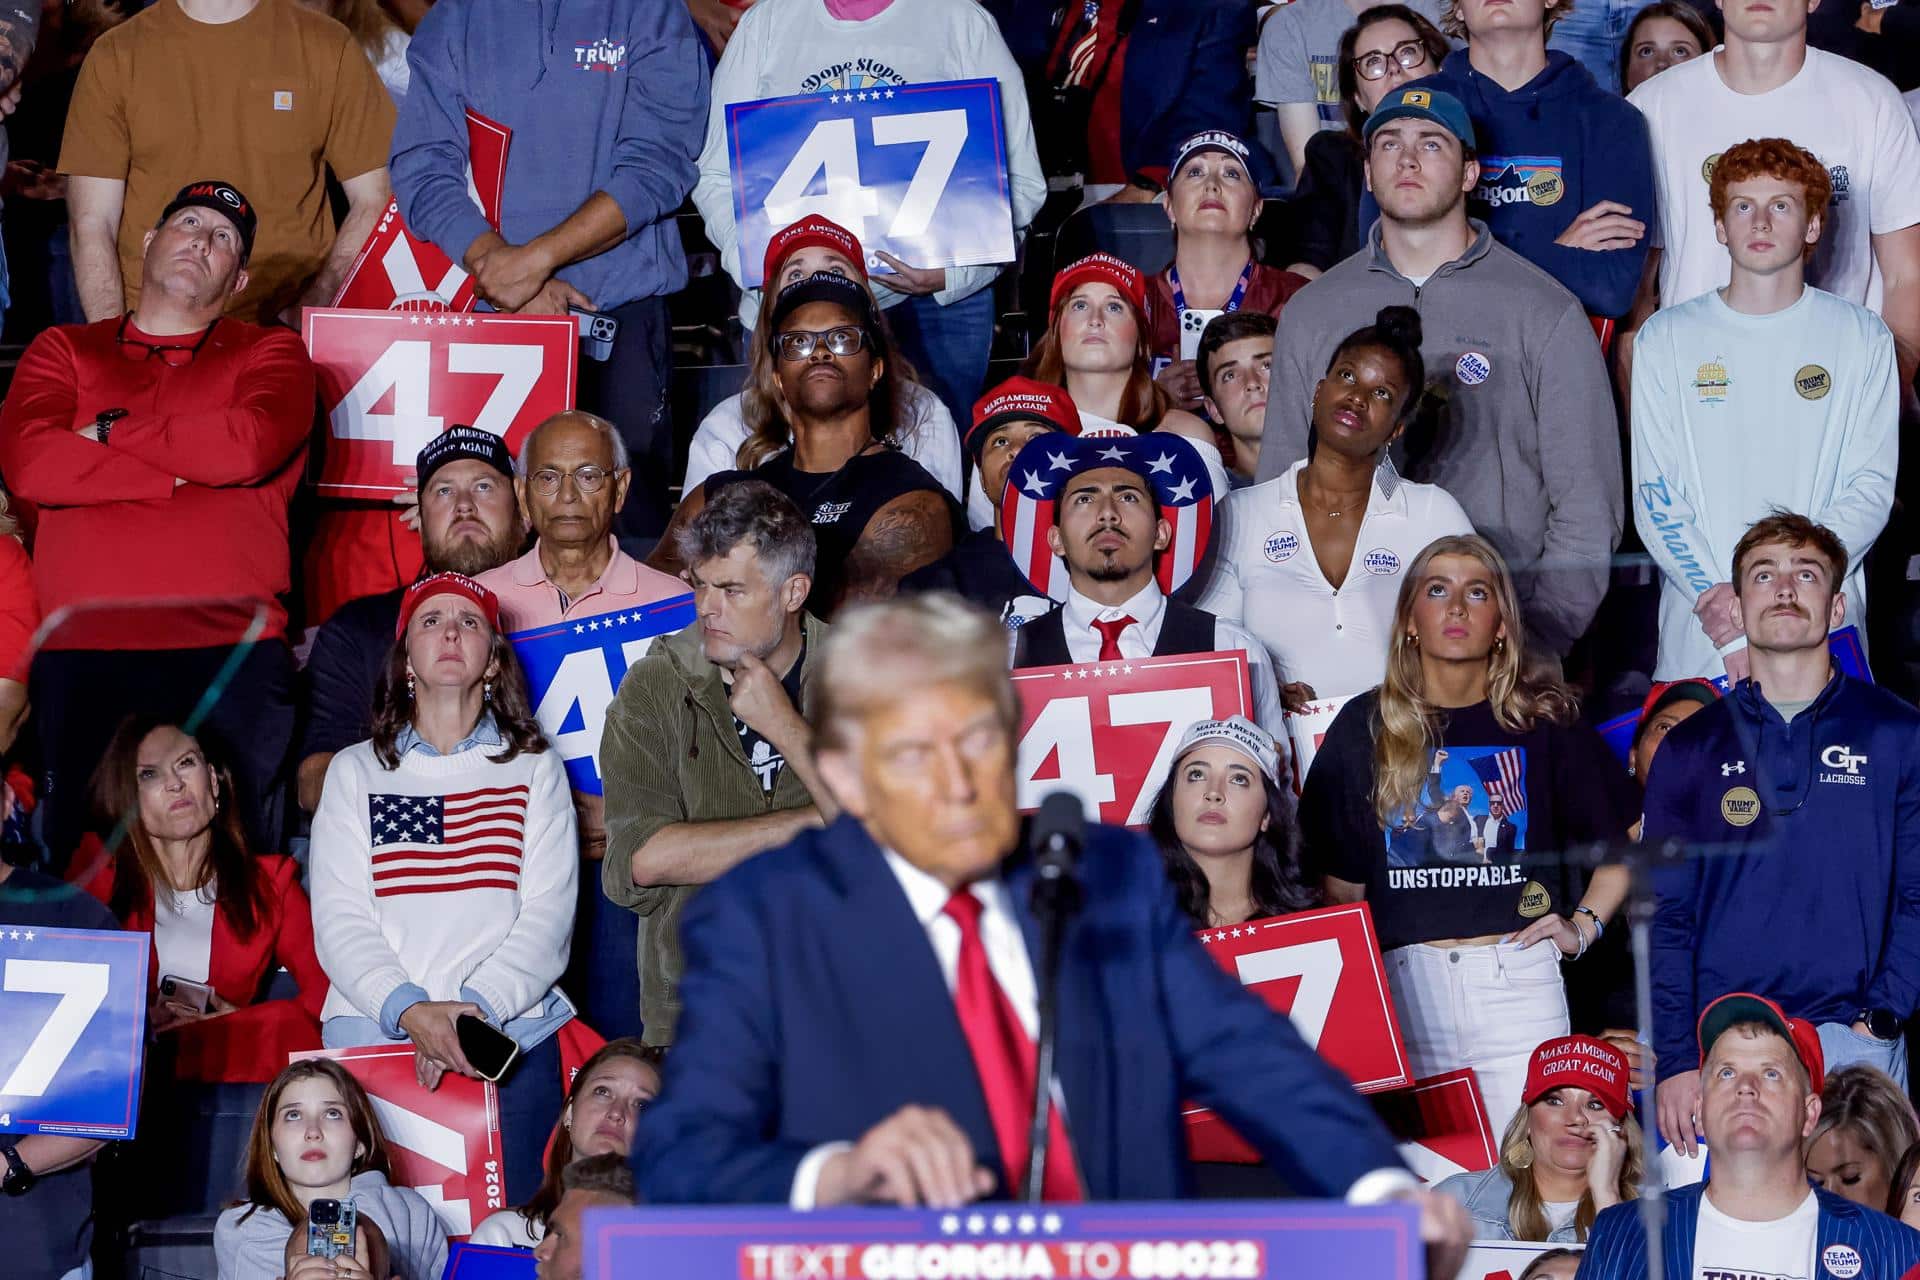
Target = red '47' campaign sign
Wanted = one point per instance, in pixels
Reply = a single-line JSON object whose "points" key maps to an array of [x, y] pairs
{"points": [[392, 380], [1323, 970], [445, 1144], [1106, 731]]}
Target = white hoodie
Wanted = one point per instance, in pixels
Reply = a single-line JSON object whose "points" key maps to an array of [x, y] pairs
{"points": [[250, 1242], [1734, 415]]}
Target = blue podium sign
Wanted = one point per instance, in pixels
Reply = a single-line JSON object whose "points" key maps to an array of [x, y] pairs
{"points": [[484, 1262], [73, 1006], [1198, 1240], [574, 667], [918, 170]]}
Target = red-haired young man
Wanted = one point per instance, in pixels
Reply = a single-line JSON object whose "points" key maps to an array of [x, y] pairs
{"points": [[1766, 393]]}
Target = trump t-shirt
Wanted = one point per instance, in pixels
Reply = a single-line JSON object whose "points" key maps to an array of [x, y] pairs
{"points": [[1729, 1249], [1456, 863]]}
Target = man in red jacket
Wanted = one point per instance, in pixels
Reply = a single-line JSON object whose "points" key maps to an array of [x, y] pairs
{"points": [[162, 448]]}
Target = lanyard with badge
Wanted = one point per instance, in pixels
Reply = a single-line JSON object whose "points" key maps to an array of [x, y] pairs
{"points": [[1194, 323]]}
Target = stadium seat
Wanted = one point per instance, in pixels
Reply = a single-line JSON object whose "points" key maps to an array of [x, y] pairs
{"points": [[171, 1249]]}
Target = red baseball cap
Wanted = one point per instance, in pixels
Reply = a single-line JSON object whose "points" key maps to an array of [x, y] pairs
{"points": [[1107, 269], [1744, 1006], [446, 584], [1025, 400], [1579, 1062], [811, 232]]}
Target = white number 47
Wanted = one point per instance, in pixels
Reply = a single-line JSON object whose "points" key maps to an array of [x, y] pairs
{"points": [[832, 148], [82, 989]]}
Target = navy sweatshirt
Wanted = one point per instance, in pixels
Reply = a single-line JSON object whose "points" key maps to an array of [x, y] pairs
{"points": [[601, 95], [1803, 877], [1549, 151]]}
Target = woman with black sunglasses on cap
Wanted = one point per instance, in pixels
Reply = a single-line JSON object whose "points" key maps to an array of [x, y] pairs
{"points": [[877, 514]]}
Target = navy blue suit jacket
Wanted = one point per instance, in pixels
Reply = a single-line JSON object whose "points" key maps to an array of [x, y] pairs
{"points": [[1617, 1249], [815, 1008]]}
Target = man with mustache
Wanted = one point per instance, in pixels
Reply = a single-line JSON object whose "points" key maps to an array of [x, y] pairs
{"points": [[469, 523], [1798, 795], [1108, 528]]}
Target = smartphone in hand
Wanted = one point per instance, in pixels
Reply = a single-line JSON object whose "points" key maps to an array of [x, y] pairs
{"points": [[489, 1049], [330, 1228]]}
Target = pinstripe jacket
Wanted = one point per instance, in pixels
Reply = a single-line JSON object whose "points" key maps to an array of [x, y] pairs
{"points": [[1854, 1242]]}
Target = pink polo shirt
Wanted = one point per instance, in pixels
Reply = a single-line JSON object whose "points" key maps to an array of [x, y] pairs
{"points": [[528, 600]]}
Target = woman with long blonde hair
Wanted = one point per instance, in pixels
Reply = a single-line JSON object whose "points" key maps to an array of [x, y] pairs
{"points": [[1572, 1149], [1431, 797]]}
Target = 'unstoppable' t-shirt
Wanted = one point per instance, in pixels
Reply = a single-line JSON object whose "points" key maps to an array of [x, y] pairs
{"points": [[1456, 865], [1728, 1249]]}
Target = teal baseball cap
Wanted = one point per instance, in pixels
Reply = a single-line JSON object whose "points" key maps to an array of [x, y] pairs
{"points": [[1415, 103]]}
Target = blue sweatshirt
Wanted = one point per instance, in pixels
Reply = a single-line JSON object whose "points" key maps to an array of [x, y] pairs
{"points": [[1549, 151], [600, 95], [1803, 880]]}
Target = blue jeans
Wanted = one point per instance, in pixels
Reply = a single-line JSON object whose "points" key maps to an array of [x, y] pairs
{"points": [[1845, 1047], [530, 1098], [603, 975], [1592, 35], [947, 346]]}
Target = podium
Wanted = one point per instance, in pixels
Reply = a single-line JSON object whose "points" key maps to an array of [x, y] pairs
{"points": [[1188, 1240]]}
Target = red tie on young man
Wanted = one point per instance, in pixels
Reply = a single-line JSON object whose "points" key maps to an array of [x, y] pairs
{"points": [[1110, 630], [1003, 1054]]}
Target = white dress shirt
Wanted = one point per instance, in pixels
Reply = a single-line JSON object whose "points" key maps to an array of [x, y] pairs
{"points": [[1012, 968], [1148, 609], [1333, 639]]}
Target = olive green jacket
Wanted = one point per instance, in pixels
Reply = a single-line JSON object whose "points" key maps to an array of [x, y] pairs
{"points": [[669, 753]]}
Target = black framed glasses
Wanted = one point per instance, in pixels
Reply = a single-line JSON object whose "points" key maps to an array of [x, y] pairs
{"points": [[588, 479], [1375, 65], [175, 355], [800, 344]]}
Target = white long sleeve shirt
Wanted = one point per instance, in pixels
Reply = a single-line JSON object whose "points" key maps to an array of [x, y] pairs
{"points": [[451, 874], [1333, 639], [784, 47], [1734, 415]]}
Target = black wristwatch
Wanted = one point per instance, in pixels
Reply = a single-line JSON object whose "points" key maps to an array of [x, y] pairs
{"points": [[1881, 1023], [105, 419], [19, 1179]]}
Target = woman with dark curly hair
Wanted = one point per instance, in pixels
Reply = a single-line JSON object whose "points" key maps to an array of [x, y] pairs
{"points": [[444, 863], [1224, 824]]}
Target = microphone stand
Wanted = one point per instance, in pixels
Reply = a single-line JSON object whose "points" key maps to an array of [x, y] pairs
{"points": [[1056, 894]]}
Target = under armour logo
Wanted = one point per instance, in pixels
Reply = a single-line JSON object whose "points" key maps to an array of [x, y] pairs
{"points": [[1728, 770]]}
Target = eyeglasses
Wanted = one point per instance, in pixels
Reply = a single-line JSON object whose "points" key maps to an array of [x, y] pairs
{"points": [[1375, 65], [799, 344], [588, 479], [175, 355]]}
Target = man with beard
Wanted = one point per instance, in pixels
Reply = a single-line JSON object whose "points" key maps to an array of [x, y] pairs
{"points": [[468, 524], [1798, 796], [1109, 530], [1517, 420], [705, 757], [162, 448]]}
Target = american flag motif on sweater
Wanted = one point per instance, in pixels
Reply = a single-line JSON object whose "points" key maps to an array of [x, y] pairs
{"points": [[447, 844]]}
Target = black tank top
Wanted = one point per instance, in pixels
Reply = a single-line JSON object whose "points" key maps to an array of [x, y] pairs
{"points": [[839, 504]]}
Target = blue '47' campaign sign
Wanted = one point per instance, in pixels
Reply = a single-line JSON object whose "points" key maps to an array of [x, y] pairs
{"points": [[73, 1005], [573, 668], [919, 170]]}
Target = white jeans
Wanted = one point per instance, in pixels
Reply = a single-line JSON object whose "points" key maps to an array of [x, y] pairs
{"points": [[1482, 1007]]}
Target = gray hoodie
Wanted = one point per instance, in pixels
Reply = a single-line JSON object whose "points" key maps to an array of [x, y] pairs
{"points": [[249, 1243], [1518, 420]]}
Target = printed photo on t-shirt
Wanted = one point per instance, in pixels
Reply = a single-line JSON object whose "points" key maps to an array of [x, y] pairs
{"points": [[1472, 810]]}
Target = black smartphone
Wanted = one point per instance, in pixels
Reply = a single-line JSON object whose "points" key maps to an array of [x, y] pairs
{"points": [[489, 1049]]}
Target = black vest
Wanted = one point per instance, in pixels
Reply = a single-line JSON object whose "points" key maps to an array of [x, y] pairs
{"points": [[1183, 629]]}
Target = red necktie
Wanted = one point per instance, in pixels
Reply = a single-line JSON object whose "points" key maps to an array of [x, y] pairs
{"points": [[1110, 637], [1003, 1055]]}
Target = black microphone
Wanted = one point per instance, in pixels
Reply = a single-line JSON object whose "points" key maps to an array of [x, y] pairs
{"points": [[1059, 830]]}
